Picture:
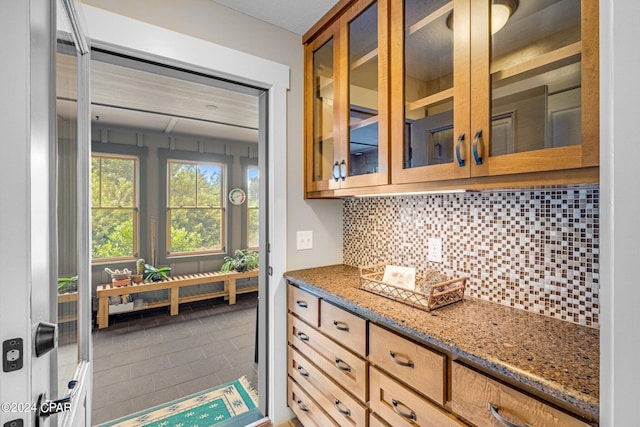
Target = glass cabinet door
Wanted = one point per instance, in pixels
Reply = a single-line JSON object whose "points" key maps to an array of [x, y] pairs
{"points": [[535, 55], [321, 124], [364, 158], [430, 91]]}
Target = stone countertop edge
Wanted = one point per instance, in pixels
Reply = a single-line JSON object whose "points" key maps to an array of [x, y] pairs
{"points": [[582, 398]]}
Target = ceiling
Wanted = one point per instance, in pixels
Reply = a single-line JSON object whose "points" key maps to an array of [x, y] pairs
{"points": [[296, 16], [136, 97]]}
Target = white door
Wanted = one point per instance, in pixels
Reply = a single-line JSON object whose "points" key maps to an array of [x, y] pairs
{"points": [[40, 37]]}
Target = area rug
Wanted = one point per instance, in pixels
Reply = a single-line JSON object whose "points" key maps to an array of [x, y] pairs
{"points": [[232, 404]]}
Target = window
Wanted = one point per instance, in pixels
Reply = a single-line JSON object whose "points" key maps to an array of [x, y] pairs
{"points": [[114, 207], [253, 201], [195, 208]]}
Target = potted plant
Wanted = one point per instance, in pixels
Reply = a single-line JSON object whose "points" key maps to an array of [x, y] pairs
{"points": [[155, 274], [67, 284], [242, 260], [137, 278]]}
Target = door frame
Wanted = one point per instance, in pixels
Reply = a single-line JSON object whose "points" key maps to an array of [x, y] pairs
{"points": [[123, 35]]}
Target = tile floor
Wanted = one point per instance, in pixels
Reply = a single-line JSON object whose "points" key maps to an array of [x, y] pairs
{"points": [[148, 358]]}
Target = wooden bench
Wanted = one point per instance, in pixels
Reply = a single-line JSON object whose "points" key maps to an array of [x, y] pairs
{"points": [[173, 284]]}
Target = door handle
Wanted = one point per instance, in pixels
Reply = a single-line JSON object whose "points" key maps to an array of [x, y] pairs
{"points": [[46, 407], [46, 338]]}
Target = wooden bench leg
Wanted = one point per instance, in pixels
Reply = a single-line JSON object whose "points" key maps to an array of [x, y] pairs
{"points": [[232, 291], [103, 312], [174, 294]]}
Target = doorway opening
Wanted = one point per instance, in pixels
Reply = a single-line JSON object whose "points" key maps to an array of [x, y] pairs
{"points": [[179, 181]]}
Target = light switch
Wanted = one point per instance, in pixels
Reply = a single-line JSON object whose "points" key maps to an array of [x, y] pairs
{"points": [[435, 249], [304, 240]]}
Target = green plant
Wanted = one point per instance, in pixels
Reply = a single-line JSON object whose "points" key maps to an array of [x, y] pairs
{"points": [[242, 260], [140, 266], [67, 284], [155, 274]]}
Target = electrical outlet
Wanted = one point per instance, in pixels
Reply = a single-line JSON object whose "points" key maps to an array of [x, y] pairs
{"points": [[304, 240], [435, 249]]}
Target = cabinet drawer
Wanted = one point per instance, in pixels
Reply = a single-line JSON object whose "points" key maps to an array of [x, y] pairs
{"points": [[307, 411], [375, 421], [341, 406], [344, 327], [304, 305], [473, 393], [421, 368], [344, 367], [398, 405]]}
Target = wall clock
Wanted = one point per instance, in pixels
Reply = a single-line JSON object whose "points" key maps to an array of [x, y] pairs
{"points": [[237, 196]]}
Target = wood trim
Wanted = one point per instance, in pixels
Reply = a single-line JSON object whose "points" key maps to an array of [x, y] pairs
{"points": [[327, 19], [590, 83], [523, 181]]}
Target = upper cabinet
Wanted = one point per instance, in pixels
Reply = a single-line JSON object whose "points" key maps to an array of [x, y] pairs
{"points": [[416, 95], [346, 100]]}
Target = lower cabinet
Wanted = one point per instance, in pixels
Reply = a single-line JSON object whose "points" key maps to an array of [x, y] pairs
{"points": [[486, 402], [398, 405], [344, 370]]}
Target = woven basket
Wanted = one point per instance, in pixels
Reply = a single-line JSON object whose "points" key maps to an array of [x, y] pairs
{"points": [[432, 291]]}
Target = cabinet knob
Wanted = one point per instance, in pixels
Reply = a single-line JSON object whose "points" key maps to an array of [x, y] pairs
{"points": [[477, 155], [336, 172], [409, 415], [458, 154], [408, 363], [494, 411]]}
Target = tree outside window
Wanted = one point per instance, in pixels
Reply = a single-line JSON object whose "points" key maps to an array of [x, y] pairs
{"points": [[195, 211], [253, 200], [114, 207]]}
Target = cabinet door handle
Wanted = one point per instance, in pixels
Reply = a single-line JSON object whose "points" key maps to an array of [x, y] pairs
{"points": [[494, 411], [343, 170], [458, 155], [341, 364], [302, 371], [408, 363], [303, 337], [337, 404], [336, 172], [476, 154], [302, 304], [341, 326], [302, 406], [409, 415]]}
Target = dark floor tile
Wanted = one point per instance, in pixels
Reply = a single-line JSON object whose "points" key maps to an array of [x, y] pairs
{"points": [[186, 356], [110, 412], [149, 366]]}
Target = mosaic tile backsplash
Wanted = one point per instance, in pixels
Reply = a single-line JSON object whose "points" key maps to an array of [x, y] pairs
{"points": [[534, 250]]}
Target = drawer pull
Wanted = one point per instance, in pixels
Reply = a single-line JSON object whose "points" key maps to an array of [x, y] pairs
{"points": [[302, 304], [337, 404], [408, 363], [494, 411], [302, 406], [409, 415], [303, 337], [341, 364], [341, 326], [303, 371]]}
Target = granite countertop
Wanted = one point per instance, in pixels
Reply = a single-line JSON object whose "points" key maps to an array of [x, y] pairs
{"points": [[552, 358]]}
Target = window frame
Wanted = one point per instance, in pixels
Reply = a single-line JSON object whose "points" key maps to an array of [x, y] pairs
{"points": [[249, 163], [165, 156], [138, 155]]}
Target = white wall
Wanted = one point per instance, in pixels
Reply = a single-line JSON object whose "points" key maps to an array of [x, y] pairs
{"points": [[213, 22], [620, 211]]}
